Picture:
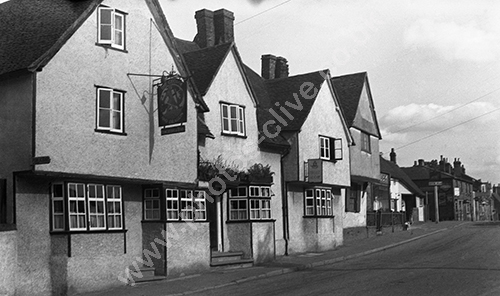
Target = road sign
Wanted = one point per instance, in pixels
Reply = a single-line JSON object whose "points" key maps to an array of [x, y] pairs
{"points": [[436, 183]]}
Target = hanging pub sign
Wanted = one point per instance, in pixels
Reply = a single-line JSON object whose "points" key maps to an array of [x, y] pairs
{"points": [[172, 100]]}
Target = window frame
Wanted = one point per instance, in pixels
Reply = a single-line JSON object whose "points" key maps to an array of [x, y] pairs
{"points": [[149, 211], [191, 205], [330, 149], [249, 203], [239, 119], [113, 30], [82, 201], [366, 142], [100, 127], [318, 202]]}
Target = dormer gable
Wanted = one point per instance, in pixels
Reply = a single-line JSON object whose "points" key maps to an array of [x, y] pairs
{"points": [[356, 102]]}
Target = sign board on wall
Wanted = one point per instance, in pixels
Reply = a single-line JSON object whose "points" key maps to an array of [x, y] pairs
{"points": [[315, 170], [172, 101]]}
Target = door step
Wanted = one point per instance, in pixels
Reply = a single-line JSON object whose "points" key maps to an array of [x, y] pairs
{"points": [[229, 260], [144, 274]]}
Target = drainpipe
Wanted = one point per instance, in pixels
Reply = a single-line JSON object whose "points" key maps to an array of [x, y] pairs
{"points": [[284, 201]]}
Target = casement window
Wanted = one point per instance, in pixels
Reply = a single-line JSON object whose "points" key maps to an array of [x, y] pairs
{"points": [[186, 205], [89, 207], [96, 206], [77, 210], [330, 148], [109, 110], [233, 119], [172, 204], [152, 204], [111, 28], [353, 198], [319, 202], [253, 202], [114, 206], [365, 142], [58, 217]]}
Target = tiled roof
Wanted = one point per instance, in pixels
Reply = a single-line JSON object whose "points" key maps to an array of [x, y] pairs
{"points": [[257, 84], [186, 46], [388, 167], [30, 28], [349, 88], [283, 90], [417, 172], [204, 64]]}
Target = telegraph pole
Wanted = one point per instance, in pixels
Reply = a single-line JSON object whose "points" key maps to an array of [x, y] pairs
{"points": [[436, 185]]}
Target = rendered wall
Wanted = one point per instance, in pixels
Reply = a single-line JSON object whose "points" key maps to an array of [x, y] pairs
{"points": [[323, 120], [312, 234], [352, 219], [363, 163], [96, 260], [66, 106], [8, 262], [229, 86], [15, 134], [238, 238], [263, 241], [188, 247]]}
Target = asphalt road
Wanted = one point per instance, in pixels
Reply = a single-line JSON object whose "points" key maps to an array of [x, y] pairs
{"points": [[460, 261]]}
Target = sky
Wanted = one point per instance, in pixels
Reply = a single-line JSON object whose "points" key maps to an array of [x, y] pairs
{"points": [[433, 66]]}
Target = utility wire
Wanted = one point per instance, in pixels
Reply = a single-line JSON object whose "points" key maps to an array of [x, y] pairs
{"points": [[461, 106], [262, 12], [447, 129]]}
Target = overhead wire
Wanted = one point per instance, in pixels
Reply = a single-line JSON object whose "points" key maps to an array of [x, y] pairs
{"points": [[262, 12], [447, 129]]}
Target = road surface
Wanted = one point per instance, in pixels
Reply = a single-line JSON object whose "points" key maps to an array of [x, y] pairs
{"points": [[460, 261]]}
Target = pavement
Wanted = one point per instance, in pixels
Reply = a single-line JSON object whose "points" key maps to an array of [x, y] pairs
{"points": [[213, 279]]}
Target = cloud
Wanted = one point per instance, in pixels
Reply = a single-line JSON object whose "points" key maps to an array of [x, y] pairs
{"points": [[433, 117], [454, 41]]}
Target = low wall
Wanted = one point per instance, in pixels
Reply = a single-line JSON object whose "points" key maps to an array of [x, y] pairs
{"points": [[357, 233], [8, 262]]}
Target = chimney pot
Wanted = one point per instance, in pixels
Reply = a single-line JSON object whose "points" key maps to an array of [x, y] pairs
{"points": [[268, 66], [393, 156]]}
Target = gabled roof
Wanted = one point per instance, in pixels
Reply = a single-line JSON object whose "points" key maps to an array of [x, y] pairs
{"points": [[263, 116], [286, 91], [349, 88], [31, 29], [205, 63], [388, 167]]}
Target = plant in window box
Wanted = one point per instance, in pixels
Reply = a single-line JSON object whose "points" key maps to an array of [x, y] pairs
{"points": [[219, 167], [258, 173]]}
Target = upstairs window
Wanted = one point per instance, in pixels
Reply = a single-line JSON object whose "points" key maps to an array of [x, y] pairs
{"points": [[233, 119], [330, 148], [109, 110], [365, 142], [111, 28]]}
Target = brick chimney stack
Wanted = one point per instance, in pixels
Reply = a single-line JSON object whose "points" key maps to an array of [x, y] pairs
{"points": [[281, 68], [214, 28], [224, 26], [458, 169], [205, 25], [393, 156], [268, 66]]}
